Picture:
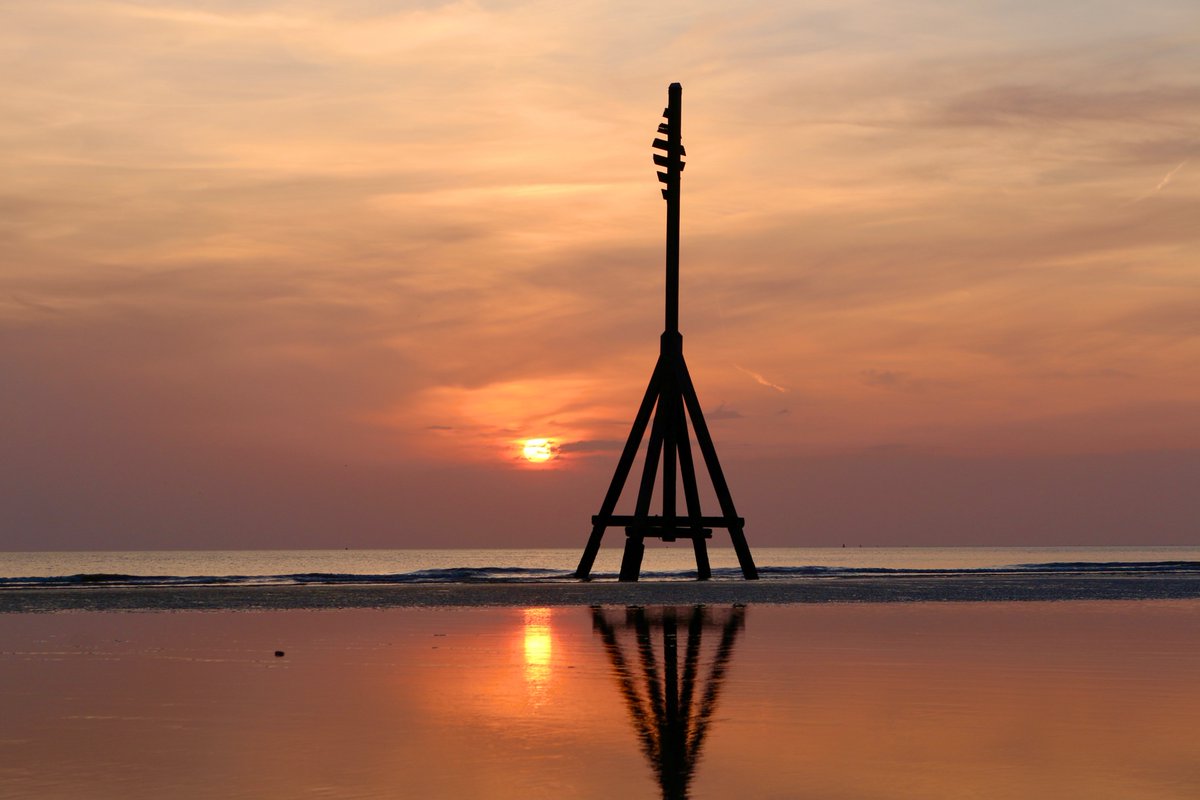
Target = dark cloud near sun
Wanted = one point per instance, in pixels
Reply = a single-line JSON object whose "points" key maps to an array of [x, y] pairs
{"points": [[591, 446]]}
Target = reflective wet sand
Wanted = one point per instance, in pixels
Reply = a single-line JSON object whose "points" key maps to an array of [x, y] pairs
{"points": [[982, 700], [890, 588]]}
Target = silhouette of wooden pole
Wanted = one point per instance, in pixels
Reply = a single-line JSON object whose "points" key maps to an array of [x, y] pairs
{"points": [[672, 400], [674, 158]]}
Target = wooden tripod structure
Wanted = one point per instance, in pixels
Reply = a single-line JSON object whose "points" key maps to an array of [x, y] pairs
{"points": [[671, 709], [671, 398]]}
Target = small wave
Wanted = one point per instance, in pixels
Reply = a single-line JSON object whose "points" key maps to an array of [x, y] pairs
{"points": [[446, 575], [497, 574], [1048, 568], [117, 579], [1112, 566], [450, 575]]}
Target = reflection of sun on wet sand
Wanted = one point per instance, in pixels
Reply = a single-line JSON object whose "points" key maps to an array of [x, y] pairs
{"points": [[539, 647], [670, 710]]}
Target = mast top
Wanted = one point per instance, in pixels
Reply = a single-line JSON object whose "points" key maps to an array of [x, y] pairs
{"points": [[670, 157]]}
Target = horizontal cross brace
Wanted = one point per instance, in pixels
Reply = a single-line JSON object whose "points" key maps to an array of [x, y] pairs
{"points": [[681, 521], [668, 534]]}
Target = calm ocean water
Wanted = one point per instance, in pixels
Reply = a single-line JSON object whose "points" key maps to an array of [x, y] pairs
{"points": [[251, 567]]}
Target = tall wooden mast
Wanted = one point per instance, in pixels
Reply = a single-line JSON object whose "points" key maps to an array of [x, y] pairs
{"points": [[671, 398]]}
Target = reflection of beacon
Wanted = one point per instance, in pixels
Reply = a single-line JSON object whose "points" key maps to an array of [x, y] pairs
{"points": [[538, 650], [670, 710]]}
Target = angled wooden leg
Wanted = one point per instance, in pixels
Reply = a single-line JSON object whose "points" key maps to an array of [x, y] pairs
{"points": [[704, 439], [687, 471], [742, 548], [584, 570], [703, 568], [670, 408], [635, 545], [650, 468], [631, 561]]}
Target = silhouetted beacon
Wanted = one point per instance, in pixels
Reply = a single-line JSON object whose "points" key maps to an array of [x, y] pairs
{"points": [[671, 398]]}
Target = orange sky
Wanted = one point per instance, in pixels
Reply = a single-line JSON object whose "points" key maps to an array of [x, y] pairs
{"points": [[306, 274]]}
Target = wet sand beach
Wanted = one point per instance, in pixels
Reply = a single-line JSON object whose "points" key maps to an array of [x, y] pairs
{"points": [[981, 699], [965, 587]]}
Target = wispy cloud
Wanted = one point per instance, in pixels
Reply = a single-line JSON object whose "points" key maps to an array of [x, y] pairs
{"points": [[760, 380], [883, 377], [723, 411], [1055, 104], [1164, 182]]}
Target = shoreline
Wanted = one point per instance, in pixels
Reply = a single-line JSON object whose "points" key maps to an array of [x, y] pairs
{"points": [[857, 589]]}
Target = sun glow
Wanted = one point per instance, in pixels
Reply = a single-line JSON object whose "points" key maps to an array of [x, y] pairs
{"points": [[538, 450]]}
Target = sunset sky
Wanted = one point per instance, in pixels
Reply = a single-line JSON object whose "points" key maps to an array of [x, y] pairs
{"points": [[309, 274]]}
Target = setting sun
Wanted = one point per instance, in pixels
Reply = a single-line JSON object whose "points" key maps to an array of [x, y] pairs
{"points": [[538, 450]]}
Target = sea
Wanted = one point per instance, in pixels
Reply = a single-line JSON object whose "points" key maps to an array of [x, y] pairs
{"points": [[464, 566]]}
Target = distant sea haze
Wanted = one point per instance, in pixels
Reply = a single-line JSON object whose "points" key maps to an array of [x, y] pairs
{"points": [[347, 567]]}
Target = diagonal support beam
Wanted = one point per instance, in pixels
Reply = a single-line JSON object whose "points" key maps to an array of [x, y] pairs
{"points": [[692, 495], [724, 498], [584, 570]]}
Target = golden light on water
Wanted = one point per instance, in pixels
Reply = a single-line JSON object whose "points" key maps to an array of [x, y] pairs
{"points": [[538, 450], [538, 651]]}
